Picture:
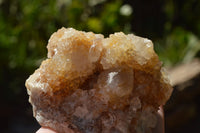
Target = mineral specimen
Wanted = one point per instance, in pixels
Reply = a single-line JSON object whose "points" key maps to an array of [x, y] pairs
{"points": [[92, 84]]}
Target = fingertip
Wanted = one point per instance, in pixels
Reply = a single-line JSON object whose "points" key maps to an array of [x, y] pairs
{"points": [[161, 112], [160, 121], [45, 130]]}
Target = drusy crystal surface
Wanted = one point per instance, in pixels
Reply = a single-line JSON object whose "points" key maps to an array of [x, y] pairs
{"points": [[92, 84]]}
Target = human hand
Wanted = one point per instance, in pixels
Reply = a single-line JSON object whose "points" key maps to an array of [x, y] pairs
{"points": [[158, 129], [45, 130]]}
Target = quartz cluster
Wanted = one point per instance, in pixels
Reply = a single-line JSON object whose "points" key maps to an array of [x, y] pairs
{"points": [[92, 84]]}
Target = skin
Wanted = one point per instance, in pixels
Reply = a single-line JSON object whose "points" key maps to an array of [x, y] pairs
{"points": [[159, 128], [45, 130], [160, 122]]}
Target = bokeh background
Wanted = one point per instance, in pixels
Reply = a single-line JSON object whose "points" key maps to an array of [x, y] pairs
{"points": [[26, 25]]}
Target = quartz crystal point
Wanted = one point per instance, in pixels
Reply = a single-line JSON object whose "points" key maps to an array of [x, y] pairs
{"points": [[92, 84]]}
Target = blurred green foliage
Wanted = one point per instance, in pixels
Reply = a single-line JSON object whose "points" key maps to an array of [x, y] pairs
{"points": [[180, 46], [180, 42], [25, 27]]}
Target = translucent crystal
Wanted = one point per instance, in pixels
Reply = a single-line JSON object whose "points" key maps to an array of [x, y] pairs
{"points": [[93, 84]]}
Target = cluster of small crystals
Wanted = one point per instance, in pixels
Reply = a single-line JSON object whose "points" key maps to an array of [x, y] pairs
{"points": [[92, 84]]}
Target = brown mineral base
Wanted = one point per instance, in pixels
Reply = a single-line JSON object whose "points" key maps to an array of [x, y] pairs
{"points": [[92, 84]]}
